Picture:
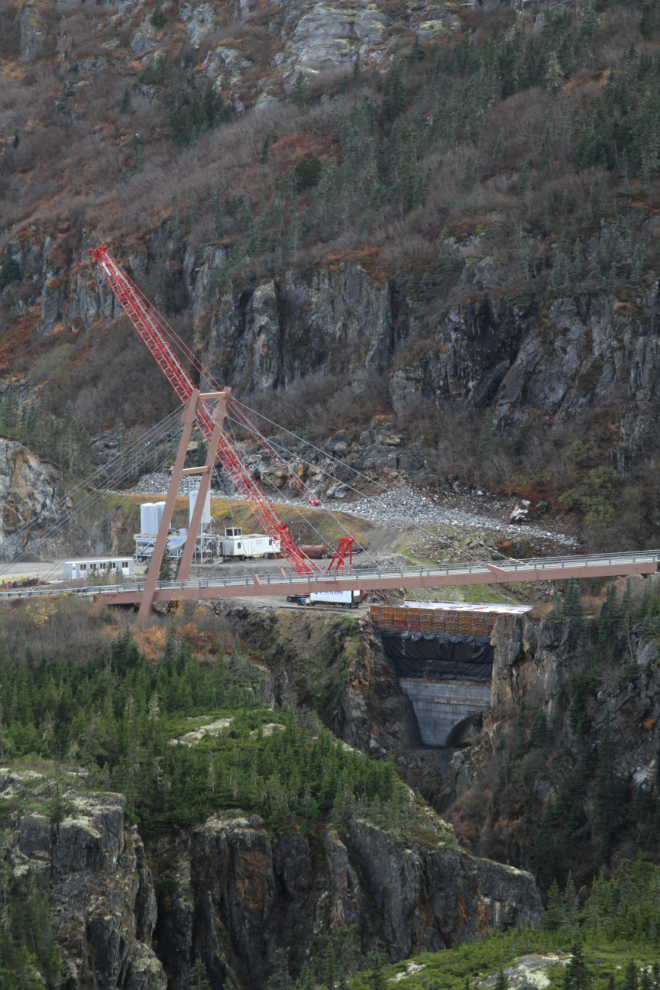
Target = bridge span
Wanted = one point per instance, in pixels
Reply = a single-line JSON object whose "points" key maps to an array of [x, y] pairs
{"points": [[613, 565]]}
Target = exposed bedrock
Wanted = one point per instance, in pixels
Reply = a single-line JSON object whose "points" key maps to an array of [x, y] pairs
{"points": [[554, 360], [243, 891]]}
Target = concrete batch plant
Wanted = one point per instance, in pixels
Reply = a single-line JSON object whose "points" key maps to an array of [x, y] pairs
{"points": [[151, 514], [235, 545]]}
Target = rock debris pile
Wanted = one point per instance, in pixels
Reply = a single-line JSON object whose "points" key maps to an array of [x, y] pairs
{"points": [[404, 507]]}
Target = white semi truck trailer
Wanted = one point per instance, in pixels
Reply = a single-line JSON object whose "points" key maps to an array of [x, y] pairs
{"points": [[343, 599]]}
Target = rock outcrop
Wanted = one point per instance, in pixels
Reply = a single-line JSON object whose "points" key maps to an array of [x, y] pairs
{"points": [[236, 892], [29, 491], [93, 864], [232, 891]]}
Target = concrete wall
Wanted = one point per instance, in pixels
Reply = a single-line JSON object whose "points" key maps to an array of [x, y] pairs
{"points": [[439, 705]]}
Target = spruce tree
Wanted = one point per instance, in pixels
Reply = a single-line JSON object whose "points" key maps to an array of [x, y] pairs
{"points": [[605, 800], [570, 895], [279, 978], [330, 966], [10, 270], [158, 18], [539, 733], [577, 975], [299, 92], [265, 149], [501, 980], [554, 77], [521, 731], [630, 978], [125, 101], [417, 53], [166, 572], [572, 605], [394, 95], [554, 916], [377, 979], [198, 978]]}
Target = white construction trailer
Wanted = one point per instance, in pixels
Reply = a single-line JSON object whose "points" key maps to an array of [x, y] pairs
{"points": [[74, 570], [236, 545]]}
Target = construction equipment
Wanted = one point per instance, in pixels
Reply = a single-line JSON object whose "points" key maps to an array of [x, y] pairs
{"points": [[339, 559], [163, 343]]}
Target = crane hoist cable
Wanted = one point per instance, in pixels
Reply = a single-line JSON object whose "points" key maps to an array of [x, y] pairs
{"points": [[162, 345]]}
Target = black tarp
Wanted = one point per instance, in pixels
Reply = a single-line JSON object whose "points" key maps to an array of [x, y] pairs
{"points": [[440, 657]]}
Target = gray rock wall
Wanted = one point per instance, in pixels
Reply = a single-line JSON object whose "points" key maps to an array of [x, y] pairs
{"points": [[244, 891], [94, 865], [549, 362]]}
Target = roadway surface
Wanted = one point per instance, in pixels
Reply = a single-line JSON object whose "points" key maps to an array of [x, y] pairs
{"points": [[270, 584]]}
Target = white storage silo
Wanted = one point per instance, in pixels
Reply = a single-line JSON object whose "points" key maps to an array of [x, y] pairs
{"points": [[146, 518], [206, 512], [159, 506]]}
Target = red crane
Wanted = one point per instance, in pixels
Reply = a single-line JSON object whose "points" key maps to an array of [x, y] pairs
{"points": [[163, 343]]}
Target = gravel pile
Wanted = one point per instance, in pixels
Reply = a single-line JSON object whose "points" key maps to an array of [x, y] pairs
{"points": [[158, 483], [405, 507], [401, 508]]}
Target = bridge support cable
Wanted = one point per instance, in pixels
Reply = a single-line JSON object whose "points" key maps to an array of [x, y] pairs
{"points": [[309, 523], [159, 430], [163, 343], [122, 471], [356, 491]]}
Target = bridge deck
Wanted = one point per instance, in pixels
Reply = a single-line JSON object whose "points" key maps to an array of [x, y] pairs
{"points": [[506, 571]]}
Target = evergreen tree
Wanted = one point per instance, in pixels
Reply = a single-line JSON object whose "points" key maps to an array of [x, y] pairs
{"points": [[330, 966], [279, 979], [555, 915], [631, 976], [570, 897], [501, 980], [265, 149], [577, 975], [394, 96], [417, 53], [539, 733], [572, 604], [554, 77], [198, 978], [166, 571], [10, 270], [299, 92], [521, 731], [125, 101], [377, 980], [158, 18], [606, 816]]}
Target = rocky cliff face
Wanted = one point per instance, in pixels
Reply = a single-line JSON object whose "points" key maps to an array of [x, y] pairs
{"points": [[29, 489], [557, 360], [240, 891], [94, 866], [232, 892]]}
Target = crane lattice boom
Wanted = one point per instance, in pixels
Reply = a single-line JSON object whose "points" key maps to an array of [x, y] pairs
{"points": [[138, 312]]}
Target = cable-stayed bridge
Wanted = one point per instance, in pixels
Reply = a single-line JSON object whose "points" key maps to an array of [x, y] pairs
{"points": [[641, 562]]}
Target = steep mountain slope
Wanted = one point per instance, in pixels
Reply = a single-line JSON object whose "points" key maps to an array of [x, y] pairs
{"points": [[450, 210]]}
